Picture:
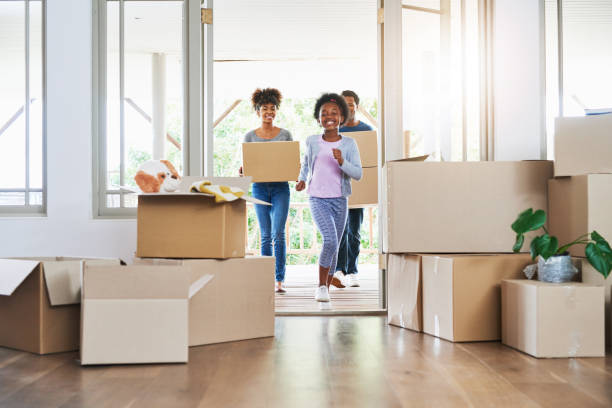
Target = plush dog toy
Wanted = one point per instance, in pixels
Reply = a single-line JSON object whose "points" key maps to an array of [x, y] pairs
{"points": [[154, 176]]}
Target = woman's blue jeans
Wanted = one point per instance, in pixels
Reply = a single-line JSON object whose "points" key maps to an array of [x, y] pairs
{"points": [[272, 220]]}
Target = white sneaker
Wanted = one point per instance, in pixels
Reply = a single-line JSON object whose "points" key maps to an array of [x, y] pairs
{"points": [[322, 294], [352, 280]]}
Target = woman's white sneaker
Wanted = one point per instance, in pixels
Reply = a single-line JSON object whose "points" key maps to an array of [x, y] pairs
{"points": [[322, 294]]}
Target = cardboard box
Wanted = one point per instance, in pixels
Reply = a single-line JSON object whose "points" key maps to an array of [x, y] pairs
{"points": [[458, 207], [271, 161], [591, 276], [365, 191], [136, 314], [461, 294], [405, 291], [192, 225], [553, 319], [39, 303], [583, 145], [367, 143], [237, 304], [578, 205]]}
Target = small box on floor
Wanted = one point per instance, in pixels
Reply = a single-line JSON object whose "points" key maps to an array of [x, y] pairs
{"points": [[458, 207], [578, 205], [591, 276], [461, 294], [271, 162], [136, 314], [553, 319], [39, 303], [237, 304], [404, 292], [583, 145], [192, 225]]}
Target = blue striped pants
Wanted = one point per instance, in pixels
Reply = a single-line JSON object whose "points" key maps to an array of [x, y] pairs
{"points": [[330, 216]]}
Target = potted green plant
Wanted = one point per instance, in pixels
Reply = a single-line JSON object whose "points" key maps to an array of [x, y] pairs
{"points": [[554, 264]]}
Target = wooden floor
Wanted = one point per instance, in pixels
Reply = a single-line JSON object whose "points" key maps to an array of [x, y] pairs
{"points": [[316, 362], [301, 282]]}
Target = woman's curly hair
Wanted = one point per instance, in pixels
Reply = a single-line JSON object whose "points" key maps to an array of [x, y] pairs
{"points": [[267, 95], [335, 98]]}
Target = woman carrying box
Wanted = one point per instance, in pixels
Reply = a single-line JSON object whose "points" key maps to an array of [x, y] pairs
{"points": [[271, 219], [330, 162]]}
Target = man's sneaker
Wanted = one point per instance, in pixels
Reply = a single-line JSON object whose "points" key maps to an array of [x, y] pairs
{"points": [[352, 280], [322, 294], [337, 280]]}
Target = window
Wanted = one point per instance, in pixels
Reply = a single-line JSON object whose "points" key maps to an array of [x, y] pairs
{"points": [[139, 94], [441, 78], [578, 59], [22, 107]]}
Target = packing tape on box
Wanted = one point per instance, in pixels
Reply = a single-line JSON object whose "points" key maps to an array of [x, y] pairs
{"points": [[570, 297]]}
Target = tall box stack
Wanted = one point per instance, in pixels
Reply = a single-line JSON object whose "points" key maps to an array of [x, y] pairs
{"points": [[446, 230], [365, 191], [209, 239], [581, 192], [191, 283]]}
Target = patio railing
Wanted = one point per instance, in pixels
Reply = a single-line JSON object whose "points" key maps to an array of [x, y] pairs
{"points": [[301, 233]]}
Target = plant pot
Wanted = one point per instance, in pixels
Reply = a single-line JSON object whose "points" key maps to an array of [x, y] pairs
{"points": [[556, 269]]}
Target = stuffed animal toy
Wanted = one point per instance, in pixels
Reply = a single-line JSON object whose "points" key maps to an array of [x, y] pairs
{"points": [[154, 176]]}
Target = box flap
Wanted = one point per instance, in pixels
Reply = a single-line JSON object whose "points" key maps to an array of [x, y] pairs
{"points": [[135, 282], [63, 278], [13, 272], [412, 159]]}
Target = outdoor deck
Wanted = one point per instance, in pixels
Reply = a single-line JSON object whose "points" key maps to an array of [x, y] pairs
{"points": [[301, 281]]}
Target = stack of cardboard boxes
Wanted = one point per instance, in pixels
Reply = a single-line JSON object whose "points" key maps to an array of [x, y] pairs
{"points": [[568, 320], [447, 233], [190, 284], [447, 237]]}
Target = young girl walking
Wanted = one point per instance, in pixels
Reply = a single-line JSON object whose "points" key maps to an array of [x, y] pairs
{"points": [[331, 160], [271, 219]]}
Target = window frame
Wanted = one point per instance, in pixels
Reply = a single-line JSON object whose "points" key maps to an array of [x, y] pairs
{"points": [[191, 100], [27, 209]]}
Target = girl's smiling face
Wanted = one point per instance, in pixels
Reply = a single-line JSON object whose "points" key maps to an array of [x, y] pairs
{"points": [[329, 116], [267, 112]]}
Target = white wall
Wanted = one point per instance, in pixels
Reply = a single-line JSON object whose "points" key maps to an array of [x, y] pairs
{"points": [[518, 75], [69, 228]]}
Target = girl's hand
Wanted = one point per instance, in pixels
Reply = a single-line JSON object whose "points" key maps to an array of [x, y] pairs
{"points": [[300, 186], [338, 156]]}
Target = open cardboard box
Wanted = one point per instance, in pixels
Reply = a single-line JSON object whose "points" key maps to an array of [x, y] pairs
{"points": [[39, 303], [271, 161], [136, 314], [192, 225]]}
